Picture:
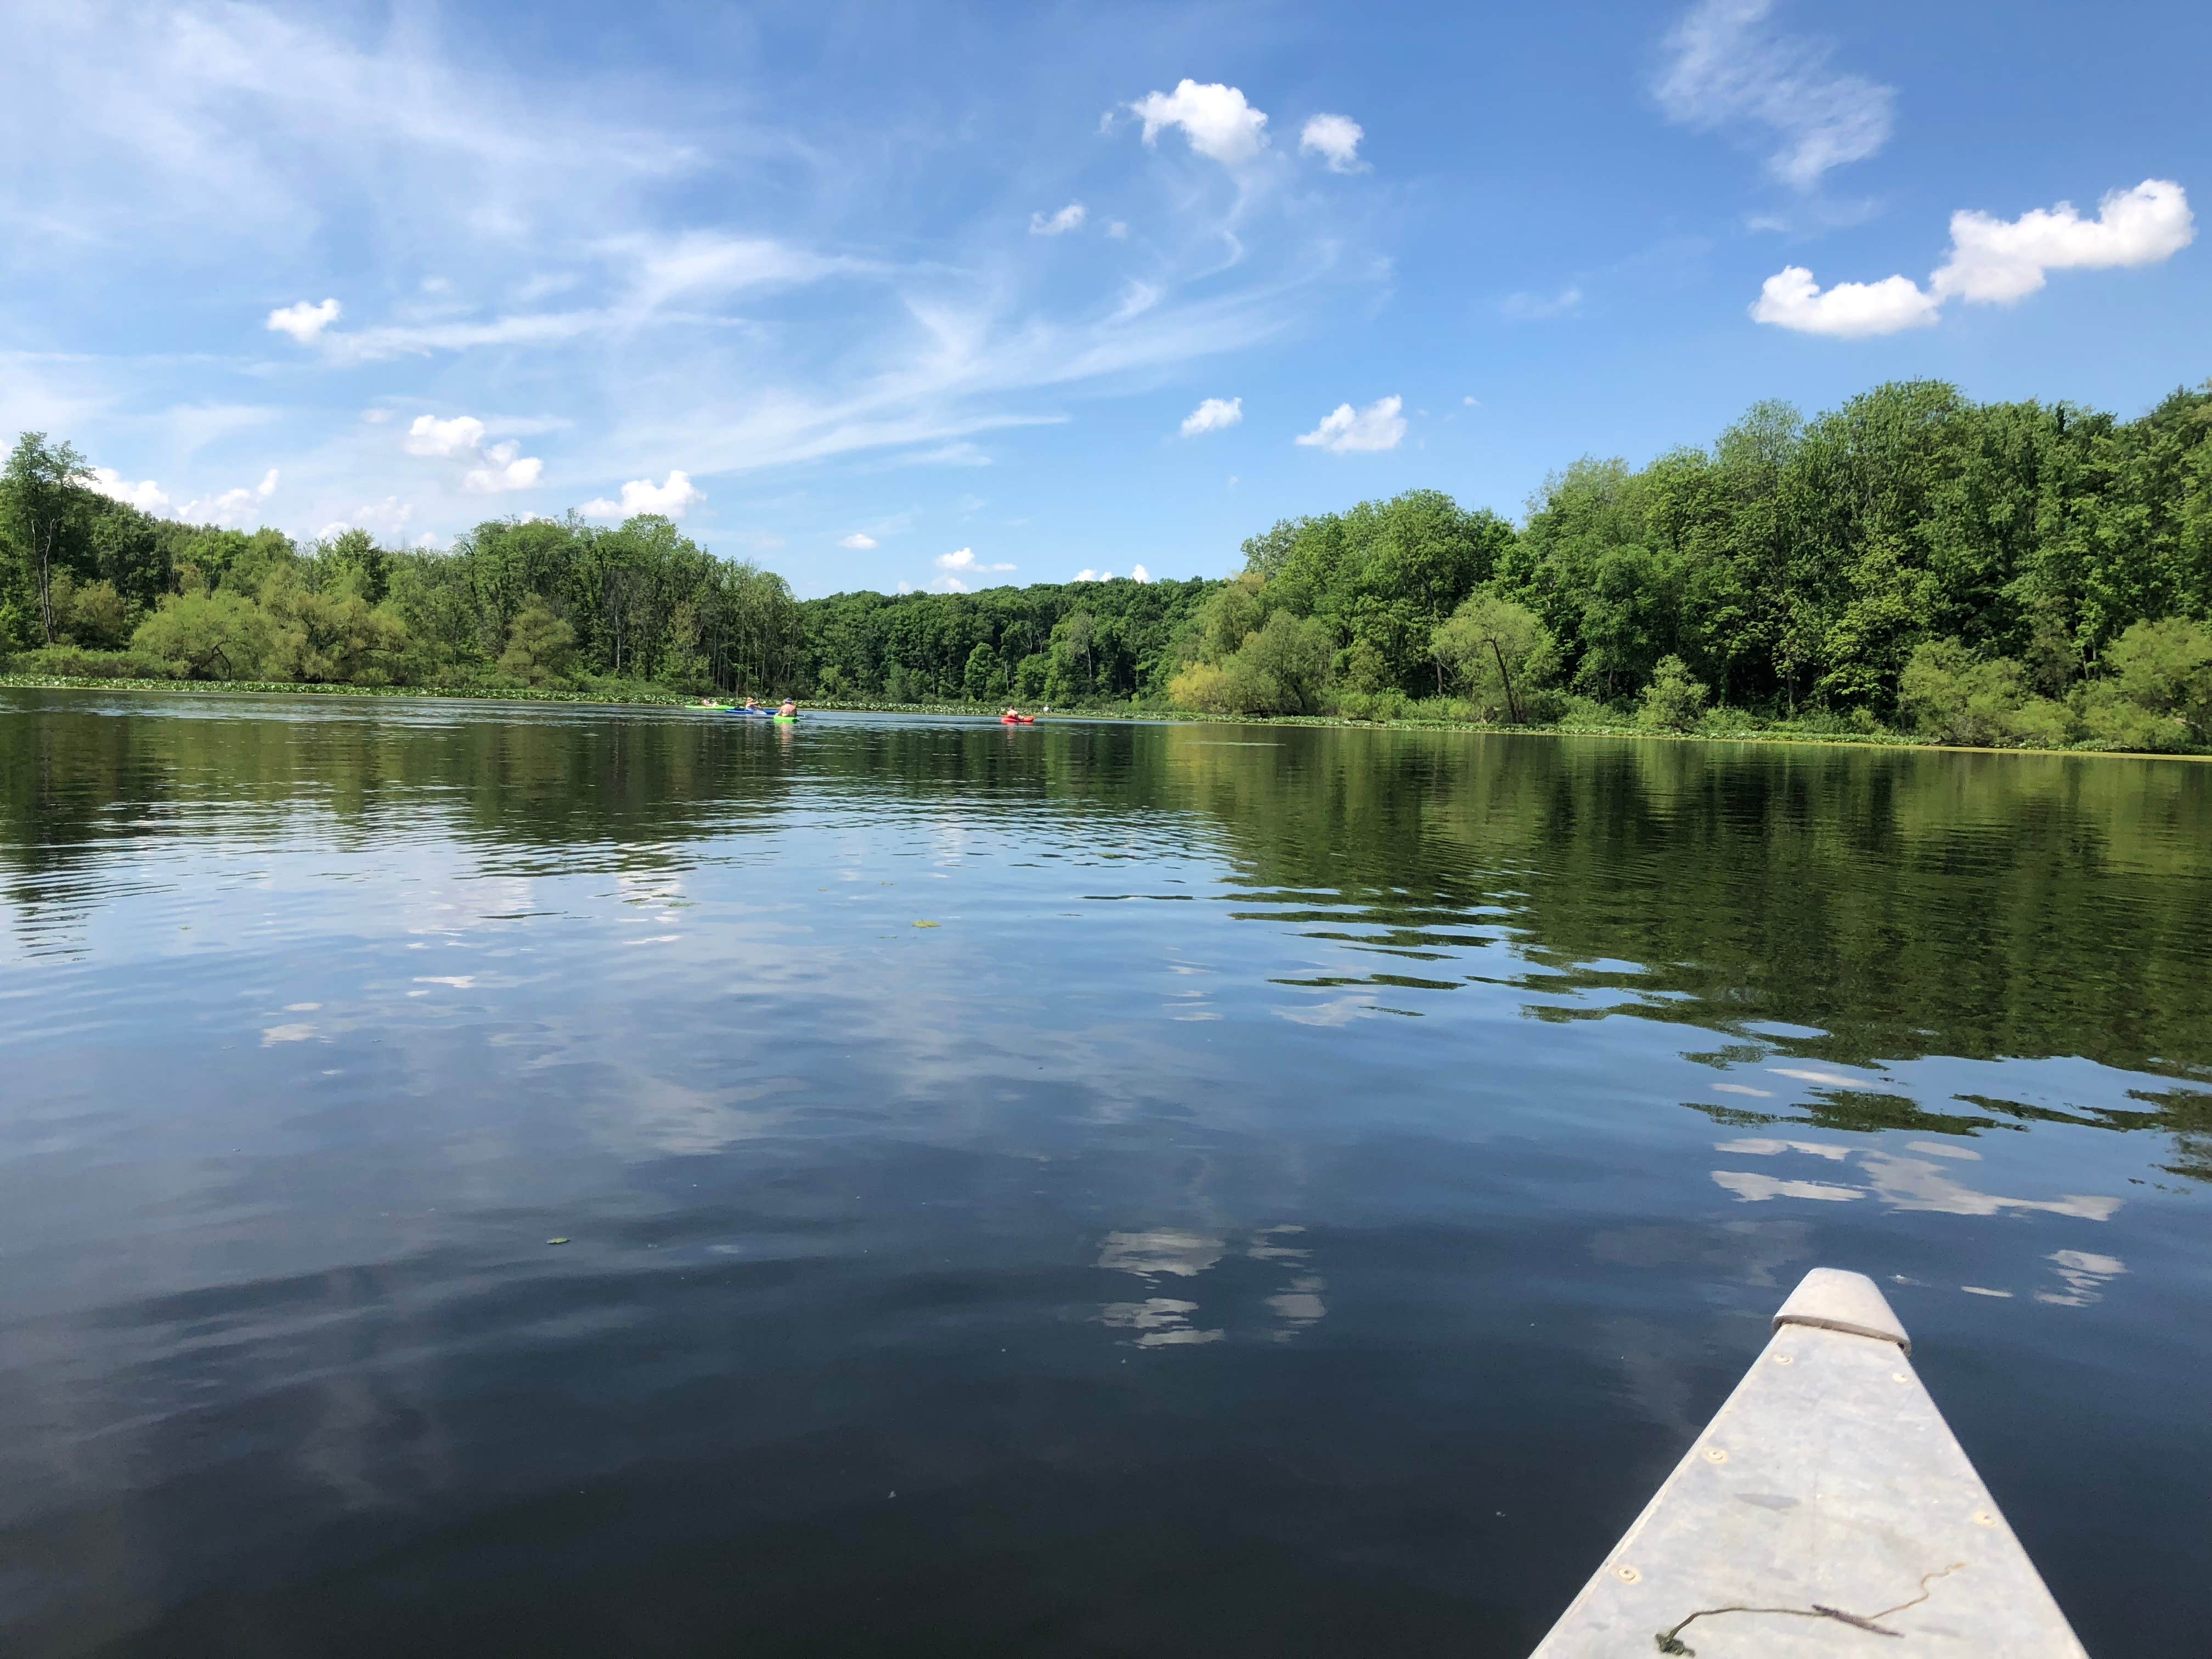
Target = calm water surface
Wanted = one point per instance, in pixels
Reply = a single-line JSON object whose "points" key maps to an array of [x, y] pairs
{"points": [[1099, 1189]]}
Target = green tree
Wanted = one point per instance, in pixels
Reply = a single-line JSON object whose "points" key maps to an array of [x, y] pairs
{"points": [[353, 559], [2159, 695], [1075, 641], [1671, 702], [328, 638], [982, 679], [1495, 652], [539, 646], [1031, 675], [223, 636], [42, 495], [1952, 697], [93, 615], [1282, 668]]}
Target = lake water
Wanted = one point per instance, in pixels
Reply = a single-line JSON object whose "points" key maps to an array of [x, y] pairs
{"points": [[1096, 1189]]}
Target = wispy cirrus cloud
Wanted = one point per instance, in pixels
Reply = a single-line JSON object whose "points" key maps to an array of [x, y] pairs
{"points": [[277, 116], [660, 278], [1526, 307], [1728, 69]]}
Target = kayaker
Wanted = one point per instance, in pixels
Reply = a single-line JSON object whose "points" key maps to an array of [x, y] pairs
{"points": [[789, 711]]}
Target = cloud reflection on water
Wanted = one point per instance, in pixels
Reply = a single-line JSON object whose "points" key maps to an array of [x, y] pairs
{"points": [[1164, 1321], [1903, 1183]]}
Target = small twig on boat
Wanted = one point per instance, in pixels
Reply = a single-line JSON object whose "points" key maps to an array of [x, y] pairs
{"points": [[1670, 1641]]}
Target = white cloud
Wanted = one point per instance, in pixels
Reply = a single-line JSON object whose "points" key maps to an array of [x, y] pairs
{"points": [[499, 467], [147, 496], [1727, 68], [1849, 311], [504, 469], [965, 559], [1540, 307], [429, 542], [643, 495], [1997, 261], [1093, 576], [376, 417], [429, 436], [1216, 119], [1056, 224], [234, 508], [389, 515], [906, 587], [860, 541], [1336, 138], [1119, 230], [942, 585], [1344, 430], [304, 321], [1214, 415], [1139, 573], [1992, 262]]}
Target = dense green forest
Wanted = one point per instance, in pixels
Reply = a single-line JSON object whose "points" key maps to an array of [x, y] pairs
{"points": [[2006, 574]]}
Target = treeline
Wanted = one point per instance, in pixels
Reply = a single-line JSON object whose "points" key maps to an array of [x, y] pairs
{"points": [[93, 586], [2014, 573], [1080, 642], [1983, 573]]}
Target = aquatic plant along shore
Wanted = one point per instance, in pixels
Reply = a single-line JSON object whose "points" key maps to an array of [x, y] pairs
{"points": [[1913, 565]]}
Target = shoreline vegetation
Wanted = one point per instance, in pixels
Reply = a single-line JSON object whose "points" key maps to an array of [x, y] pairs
{"points": [[1718, 730], [1910, 569]]}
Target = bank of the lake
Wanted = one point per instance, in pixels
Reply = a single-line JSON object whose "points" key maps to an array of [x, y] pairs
{"points": [[1720, 726]]}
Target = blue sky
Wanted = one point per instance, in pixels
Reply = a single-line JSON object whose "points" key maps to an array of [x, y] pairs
{"points": [[955, 295]]}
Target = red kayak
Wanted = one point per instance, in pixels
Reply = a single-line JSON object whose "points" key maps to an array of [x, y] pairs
{"points": [[1018, 720]]}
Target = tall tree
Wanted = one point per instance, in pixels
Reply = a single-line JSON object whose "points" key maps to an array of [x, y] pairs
{"points": [[41, 489]]}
